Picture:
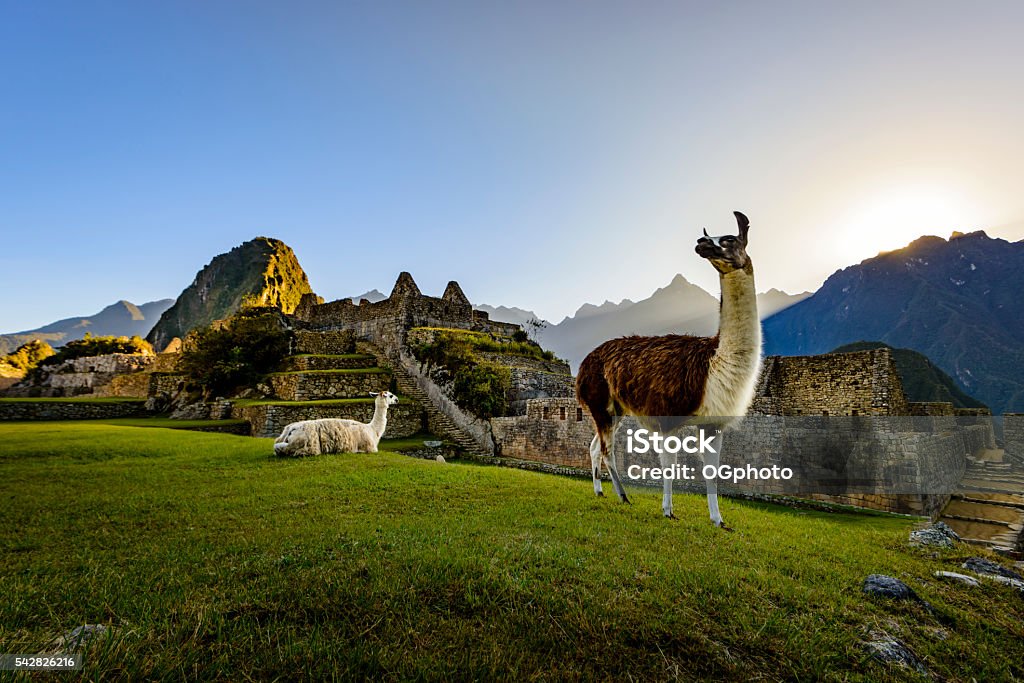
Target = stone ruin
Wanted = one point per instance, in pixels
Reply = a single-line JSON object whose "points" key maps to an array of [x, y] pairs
{"points": [[930, 445]]}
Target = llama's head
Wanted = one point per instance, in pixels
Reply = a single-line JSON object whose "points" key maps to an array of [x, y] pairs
{"points": [[383, 399], [727, 252]]}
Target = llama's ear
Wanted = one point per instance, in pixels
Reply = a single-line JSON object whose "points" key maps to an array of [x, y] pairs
{"points": [[706, 233], [374, 394], [744, 225]]}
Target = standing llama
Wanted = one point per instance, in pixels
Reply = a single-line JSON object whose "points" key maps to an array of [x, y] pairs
{"points": [[707, 380]]}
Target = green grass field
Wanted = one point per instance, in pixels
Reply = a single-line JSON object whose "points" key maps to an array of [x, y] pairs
{"points": [[210, 559]]}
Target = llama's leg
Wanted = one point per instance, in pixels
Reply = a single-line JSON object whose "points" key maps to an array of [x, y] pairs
{"points": [[665, 460], [613, 469], [712, 459], [595, 463]]}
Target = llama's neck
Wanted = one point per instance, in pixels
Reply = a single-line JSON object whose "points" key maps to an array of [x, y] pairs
{"points": [[729, 387], [380, 418], [739, 330]]}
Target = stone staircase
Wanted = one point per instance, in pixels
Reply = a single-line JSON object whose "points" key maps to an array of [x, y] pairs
{"points": [[988, 507], [440, 423]]}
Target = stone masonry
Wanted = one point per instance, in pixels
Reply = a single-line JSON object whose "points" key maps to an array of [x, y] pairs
{"points": [[386, 323], [923, 458]]}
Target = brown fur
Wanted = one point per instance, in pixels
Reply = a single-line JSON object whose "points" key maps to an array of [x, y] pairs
{"points": [[645, 376]]}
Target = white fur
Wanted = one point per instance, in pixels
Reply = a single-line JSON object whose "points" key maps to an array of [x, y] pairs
{"points": [[336, 435], [735, 367], [732, 379]]}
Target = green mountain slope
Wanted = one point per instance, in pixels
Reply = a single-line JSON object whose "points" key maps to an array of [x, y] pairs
{"points": [[922, 380], [263, 270]]}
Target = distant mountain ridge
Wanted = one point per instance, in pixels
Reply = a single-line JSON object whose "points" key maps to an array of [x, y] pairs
{"points": [[679, 307], [957, 301], [263, 271], [118, 319]]}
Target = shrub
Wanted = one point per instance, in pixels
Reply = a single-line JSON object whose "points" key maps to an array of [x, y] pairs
{"points": [[479, 386], [26, 357], [480, 341], [99, 346], [235, 353]]}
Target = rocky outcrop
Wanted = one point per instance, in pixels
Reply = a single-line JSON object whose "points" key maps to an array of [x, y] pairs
{"points": [[263, 272]]}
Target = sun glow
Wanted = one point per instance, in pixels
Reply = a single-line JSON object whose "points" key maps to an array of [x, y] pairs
{"points": [[897, 215]]}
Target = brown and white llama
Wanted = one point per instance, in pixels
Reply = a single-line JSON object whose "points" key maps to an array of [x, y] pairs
{"points": [[698, 381]]}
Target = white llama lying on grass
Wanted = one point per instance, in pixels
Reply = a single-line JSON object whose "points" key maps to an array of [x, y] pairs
{"points": [[335, 435]]}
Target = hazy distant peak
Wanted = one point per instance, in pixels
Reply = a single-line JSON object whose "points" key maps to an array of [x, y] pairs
{"points": [[590, 309], [678, 280], [132, 309], [373, 296], [121, 318]]}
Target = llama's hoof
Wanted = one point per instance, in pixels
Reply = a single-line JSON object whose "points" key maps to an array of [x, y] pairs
{"points": [[627, 501], [671, 515], [600, 494], [723, 526]]}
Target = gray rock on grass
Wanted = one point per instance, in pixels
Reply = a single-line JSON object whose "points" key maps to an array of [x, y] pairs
{"points": [[961, 578], [888, 650], [938, 534], [892, 588]]}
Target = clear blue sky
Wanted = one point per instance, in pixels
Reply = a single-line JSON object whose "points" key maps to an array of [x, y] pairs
{"points": [[544, 154]]}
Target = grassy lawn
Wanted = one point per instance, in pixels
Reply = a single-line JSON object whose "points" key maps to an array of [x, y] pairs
{"points": [[210, 559], [164, 422], [74, 399]]}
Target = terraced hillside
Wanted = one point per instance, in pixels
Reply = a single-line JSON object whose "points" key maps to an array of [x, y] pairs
{"points": [[337, 383]]}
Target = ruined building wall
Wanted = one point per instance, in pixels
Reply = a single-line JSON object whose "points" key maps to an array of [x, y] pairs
{"points": [[554, 430], [858, 383], [387, 322]]}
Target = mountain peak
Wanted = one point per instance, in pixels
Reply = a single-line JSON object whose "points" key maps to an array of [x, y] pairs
{"points": [[264, 271], [967, 235], [956, 301], [120, 319]]}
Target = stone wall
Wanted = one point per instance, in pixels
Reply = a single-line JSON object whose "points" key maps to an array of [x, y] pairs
{"points": [[896, 464], [554, 430], [1013, 436], [269, 420], [528, 384], [165, 362], [326, 342], [555, 367], [932, 408], [387, 322], [858, 383], [166, 383], [134, 385], [311, 386], [353, 362], [68, 410], [85, 375]]}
